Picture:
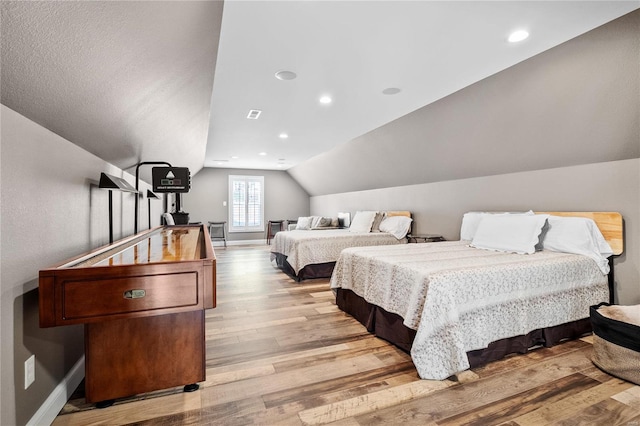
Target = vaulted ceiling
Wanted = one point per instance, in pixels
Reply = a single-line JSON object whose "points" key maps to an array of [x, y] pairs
{"points": [[174, 80]]}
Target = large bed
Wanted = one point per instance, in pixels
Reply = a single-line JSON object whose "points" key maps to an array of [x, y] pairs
{"points": [[455, 307], [312, 253]]}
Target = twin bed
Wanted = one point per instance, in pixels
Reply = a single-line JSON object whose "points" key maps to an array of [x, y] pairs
{"points": [[455, 306]]}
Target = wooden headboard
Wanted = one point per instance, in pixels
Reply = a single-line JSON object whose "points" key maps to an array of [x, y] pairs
{"points": [[398, 213], [609, 223]]}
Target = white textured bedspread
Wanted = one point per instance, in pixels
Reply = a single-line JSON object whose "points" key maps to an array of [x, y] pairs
{"points": [[461, 299], [304, 248]]}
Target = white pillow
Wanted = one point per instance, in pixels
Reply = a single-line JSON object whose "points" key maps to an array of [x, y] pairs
{"points": [[362, 221], [396, 225], [471, 220], [578, 235], [323, 222], [509, 233], [304, 222], [315, 220]]}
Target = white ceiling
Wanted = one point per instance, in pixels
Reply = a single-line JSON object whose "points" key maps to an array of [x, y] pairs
{"points": [[352, 51]]}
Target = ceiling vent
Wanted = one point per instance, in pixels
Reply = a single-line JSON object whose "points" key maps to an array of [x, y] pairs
{"points": [[254, 114]]}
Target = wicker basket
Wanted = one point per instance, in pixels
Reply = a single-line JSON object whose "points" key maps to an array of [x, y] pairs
{"points": [[616, 340]]}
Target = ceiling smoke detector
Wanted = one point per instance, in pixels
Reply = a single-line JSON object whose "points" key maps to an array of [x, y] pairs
{"points": [[285, 75], [391, 91]]}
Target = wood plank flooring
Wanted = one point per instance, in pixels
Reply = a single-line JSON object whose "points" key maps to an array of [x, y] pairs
{"points": [[281, 353]]}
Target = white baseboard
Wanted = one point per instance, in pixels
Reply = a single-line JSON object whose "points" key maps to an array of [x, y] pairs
{"points": [[240, 243], [48, 411]]}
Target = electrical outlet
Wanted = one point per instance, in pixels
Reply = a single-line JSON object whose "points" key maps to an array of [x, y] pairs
{"points": [[224, 204], [29, 371]]}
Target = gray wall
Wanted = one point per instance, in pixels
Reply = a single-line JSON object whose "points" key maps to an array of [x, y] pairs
{"points": [[577, 103], [284, 198], [438, 207], [52, 210]]}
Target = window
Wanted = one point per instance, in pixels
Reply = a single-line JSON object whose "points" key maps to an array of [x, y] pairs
{"points": [[246, 208]]}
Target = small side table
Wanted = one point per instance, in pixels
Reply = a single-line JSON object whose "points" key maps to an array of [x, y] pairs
{"points": [[424, 238]]}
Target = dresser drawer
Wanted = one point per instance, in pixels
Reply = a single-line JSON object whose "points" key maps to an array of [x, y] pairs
{"points": [[105, 297]]}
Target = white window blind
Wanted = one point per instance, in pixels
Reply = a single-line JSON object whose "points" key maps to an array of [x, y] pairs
{"points": [[246, 208]]}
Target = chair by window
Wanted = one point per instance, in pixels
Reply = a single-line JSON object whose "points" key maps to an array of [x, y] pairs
{"points": [[273, 227], [168, 219], [217, 232]]}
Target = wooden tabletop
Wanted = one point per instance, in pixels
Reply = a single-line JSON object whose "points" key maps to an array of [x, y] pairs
{"points": [[167, 245]]}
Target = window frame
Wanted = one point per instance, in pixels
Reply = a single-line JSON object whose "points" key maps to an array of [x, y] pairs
{"points": [[246, 179]]}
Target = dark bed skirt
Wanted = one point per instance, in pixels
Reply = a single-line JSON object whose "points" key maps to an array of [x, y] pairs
{"points": [[318, 270], [390, 327]]}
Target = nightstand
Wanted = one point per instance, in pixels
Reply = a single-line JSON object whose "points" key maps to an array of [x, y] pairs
{"points": [[424, 238]]}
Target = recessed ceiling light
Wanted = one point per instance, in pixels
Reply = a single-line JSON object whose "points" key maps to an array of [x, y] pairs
{"points": [[325, 99], [234, 157], [262, 154], [391, 91], [285, 75], [517, 36], [283, 136]]}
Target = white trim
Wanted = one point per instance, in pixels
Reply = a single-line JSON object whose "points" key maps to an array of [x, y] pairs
{"points": [[48, 411]]}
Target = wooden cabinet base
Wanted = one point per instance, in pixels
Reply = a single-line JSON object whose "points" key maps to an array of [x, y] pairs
{"points": [[131, 356]]}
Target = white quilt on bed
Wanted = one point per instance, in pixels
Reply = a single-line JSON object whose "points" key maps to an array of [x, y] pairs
{"points": [[308, 247], [460, 298]]}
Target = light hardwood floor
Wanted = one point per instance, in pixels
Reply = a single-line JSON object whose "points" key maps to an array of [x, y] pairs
{"points": [[280, 352]]}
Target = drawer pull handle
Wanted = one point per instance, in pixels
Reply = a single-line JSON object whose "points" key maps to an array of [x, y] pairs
{"points": [[134, 294]]}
